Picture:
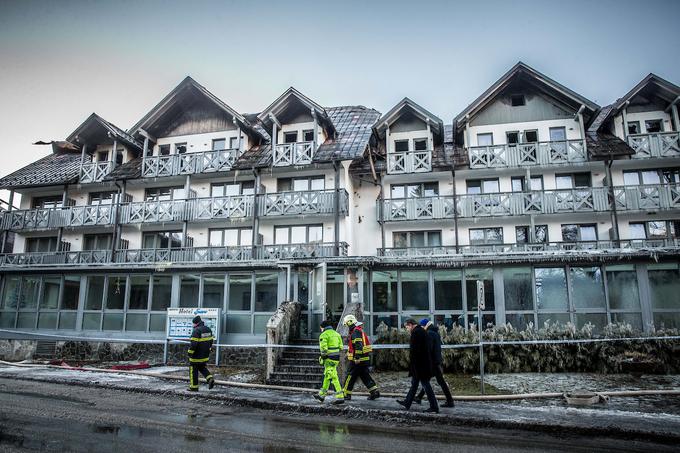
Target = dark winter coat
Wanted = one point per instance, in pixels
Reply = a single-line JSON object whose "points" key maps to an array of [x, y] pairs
{"points": [[436, 340], [201, 343], [420, 354]]}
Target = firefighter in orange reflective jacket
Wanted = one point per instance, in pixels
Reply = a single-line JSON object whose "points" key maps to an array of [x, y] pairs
{"points": [[359, 356]]}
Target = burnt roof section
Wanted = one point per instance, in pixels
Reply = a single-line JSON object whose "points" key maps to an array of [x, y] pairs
{"points": [[53, 169], [179, 100], [291, 103], [523, 70], [95, 130], [407, 105], [129, 170], [649, 87], [353, 125]]}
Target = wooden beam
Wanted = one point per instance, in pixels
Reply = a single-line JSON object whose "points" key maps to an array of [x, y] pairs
{"points": [[82, 159], [430, 141], [582, 128], [672, 104], [624, 117], [676, 117], [316, 129], [275, 120], [146, 135]]}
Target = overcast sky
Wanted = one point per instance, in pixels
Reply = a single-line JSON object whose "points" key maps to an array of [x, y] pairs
{"points": [[62, 60]]}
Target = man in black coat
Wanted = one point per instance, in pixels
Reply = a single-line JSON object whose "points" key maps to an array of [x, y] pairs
{"points": [[436, 362], [199, 353], [421, 368]]}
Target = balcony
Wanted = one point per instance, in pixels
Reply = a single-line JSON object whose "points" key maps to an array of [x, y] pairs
{"points": [[310, 202], [189, 163], [95, 171], [662, 144], [311, 250], [647, 197], [287, 154], [405, 162], [141, 212], [184, 255], [71, 216], [220, 208], [528, 154]]}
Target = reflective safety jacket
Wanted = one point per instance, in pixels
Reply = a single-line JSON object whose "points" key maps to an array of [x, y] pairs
{"points": [[201, 342], [330, 344], [359, 348]]}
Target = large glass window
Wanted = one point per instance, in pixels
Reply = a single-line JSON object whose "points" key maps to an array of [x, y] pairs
{"points": [[471, 278], [540, 234], [426, 189], [164, 194], [300, 184], [298, 234], [161, 292], [188, 290], [41, 245], [518, 288], [97, 241], [95, 292], [551, 288], [232, 189], [10, 294], [572, 180], [622, 286], [477, 186], [213, 290], [266, 292], [587, 286], [384, 291], [448, 290], [664, 286], [240, 291], [578, 233], [139, 292], [30, 290], [162, 240], [415, 294], [115, 295], [50, 292], [69, 300], [485, 139], [50, 202], [484, 236], [231, 237], [406, 239]]}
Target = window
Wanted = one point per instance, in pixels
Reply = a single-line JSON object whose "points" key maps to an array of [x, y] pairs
{"points": [[558, 134], [41, 245], [656, 176], [231, 189], [633, 127], [164, 150], [551, 292], [540, 234], [164, 194], [426, 189], [485, 139], [512, 138], [384, 291], [139, 293], [655, 229], [530, 136], [189, 290], [102, 156], [240, 292], [162, 240], [101, 198], [578, 233], [517, 100], [233, 142], [486, 236], [400, 146], [407, 239], [420, 144], [180, 148], [97, 241], [664, 286], [266, 292], [290, 137], [219, 144], [300, 184], [308, 135], [573, 180], [415, 294], [48, 202], [448, 290], [119, 157], [653, 126], [519, 183], [213, 290], [231, 237], [477, 186], [298, 234], [486, 277]]}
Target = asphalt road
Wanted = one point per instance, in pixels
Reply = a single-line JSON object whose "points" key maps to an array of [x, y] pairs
{"points": [[36, 416]]}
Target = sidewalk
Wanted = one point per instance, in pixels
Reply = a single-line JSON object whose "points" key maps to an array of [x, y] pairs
{"points": [[538, 415]]}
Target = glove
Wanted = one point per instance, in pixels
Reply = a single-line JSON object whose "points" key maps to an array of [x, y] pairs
{"points": [[321, 360]]}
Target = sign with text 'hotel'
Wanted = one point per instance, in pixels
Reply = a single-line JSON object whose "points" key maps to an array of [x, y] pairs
{"points": [[179, 325]]}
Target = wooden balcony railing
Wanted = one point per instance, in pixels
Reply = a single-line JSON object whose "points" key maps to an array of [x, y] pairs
{"points": [[70, 216], [287, 154], [95, 171], [647, 197], [528, 154], [662, 144], [409, 162], [308, 202], [228, 207], [153, 212], [310, 250], [190, 163]]}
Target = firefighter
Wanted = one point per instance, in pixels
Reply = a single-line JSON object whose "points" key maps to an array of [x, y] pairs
{"points": [[359, 356], [199, 353], [330, 345]]}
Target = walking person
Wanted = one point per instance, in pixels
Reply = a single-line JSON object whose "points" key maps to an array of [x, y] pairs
{"points": [[437, 363], [330, 345], [359, 357], [199, 353], [420, 367]]}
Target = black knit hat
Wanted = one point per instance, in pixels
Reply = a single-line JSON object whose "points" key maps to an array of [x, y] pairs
{"points": [[196, 320], [326, 324]]}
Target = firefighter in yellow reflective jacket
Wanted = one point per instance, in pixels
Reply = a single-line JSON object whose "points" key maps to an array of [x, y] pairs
{"points": [[199, 353], [359, 357], [330, 345]]}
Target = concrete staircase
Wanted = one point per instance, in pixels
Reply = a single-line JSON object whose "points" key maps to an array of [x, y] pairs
{"points": [[298, 367]]}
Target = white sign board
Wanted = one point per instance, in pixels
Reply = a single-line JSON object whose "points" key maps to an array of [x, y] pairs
{"points": [[179, 325], [480, 294]]}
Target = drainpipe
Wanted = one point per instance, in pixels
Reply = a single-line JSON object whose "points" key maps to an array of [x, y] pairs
{"points": [[612, 200], [116, 231], [336, 210], [455, 210], [6, 231], [256, 217], [185, 222], [381, 215], [60, 230]]}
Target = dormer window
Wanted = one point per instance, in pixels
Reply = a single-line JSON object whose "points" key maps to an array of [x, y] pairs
{"points": [[233, 142], [219, 144], [102, 156], [653, 126], [420, 144], [401, 146], [164, 150], [308, 135], [517, 100], [180, 148], [119, 157], [633, 127], [290, 137]]}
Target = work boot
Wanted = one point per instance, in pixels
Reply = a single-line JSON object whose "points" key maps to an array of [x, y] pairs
{"points": [[403, 403], [448, 404], [319, 398], [432, 410], [348, 397], [211, 382], [339, 401], [191, 389], [374, 395]]}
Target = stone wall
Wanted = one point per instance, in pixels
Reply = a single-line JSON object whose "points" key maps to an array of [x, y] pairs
{"points": [[281, 327], [16, 351]]}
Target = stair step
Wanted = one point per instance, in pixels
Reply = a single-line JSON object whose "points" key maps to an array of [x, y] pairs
{"points": [[296, 376], [294, 361], [311, 369], [303, 353], [292, 383]]}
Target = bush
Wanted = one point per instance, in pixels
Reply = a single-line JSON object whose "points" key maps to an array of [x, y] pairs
{"points": [[650, 356]]}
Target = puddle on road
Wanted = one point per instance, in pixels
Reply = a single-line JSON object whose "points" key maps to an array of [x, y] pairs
{"points": [[68, 399]]}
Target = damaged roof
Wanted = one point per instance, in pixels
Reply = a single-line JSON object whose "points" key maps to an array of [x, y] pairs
{"points": [[53, 169], [96, 129]]}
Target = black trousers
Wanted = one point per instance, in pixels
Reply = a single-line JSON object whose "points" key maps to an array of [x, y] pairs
{"points": [[439, 375], [425, 384], [359, 372], [194, 369]]}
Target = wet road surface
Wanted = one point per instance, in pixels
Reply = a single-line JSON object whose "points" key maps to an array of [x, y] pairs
{"points": [[36, 416]]}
